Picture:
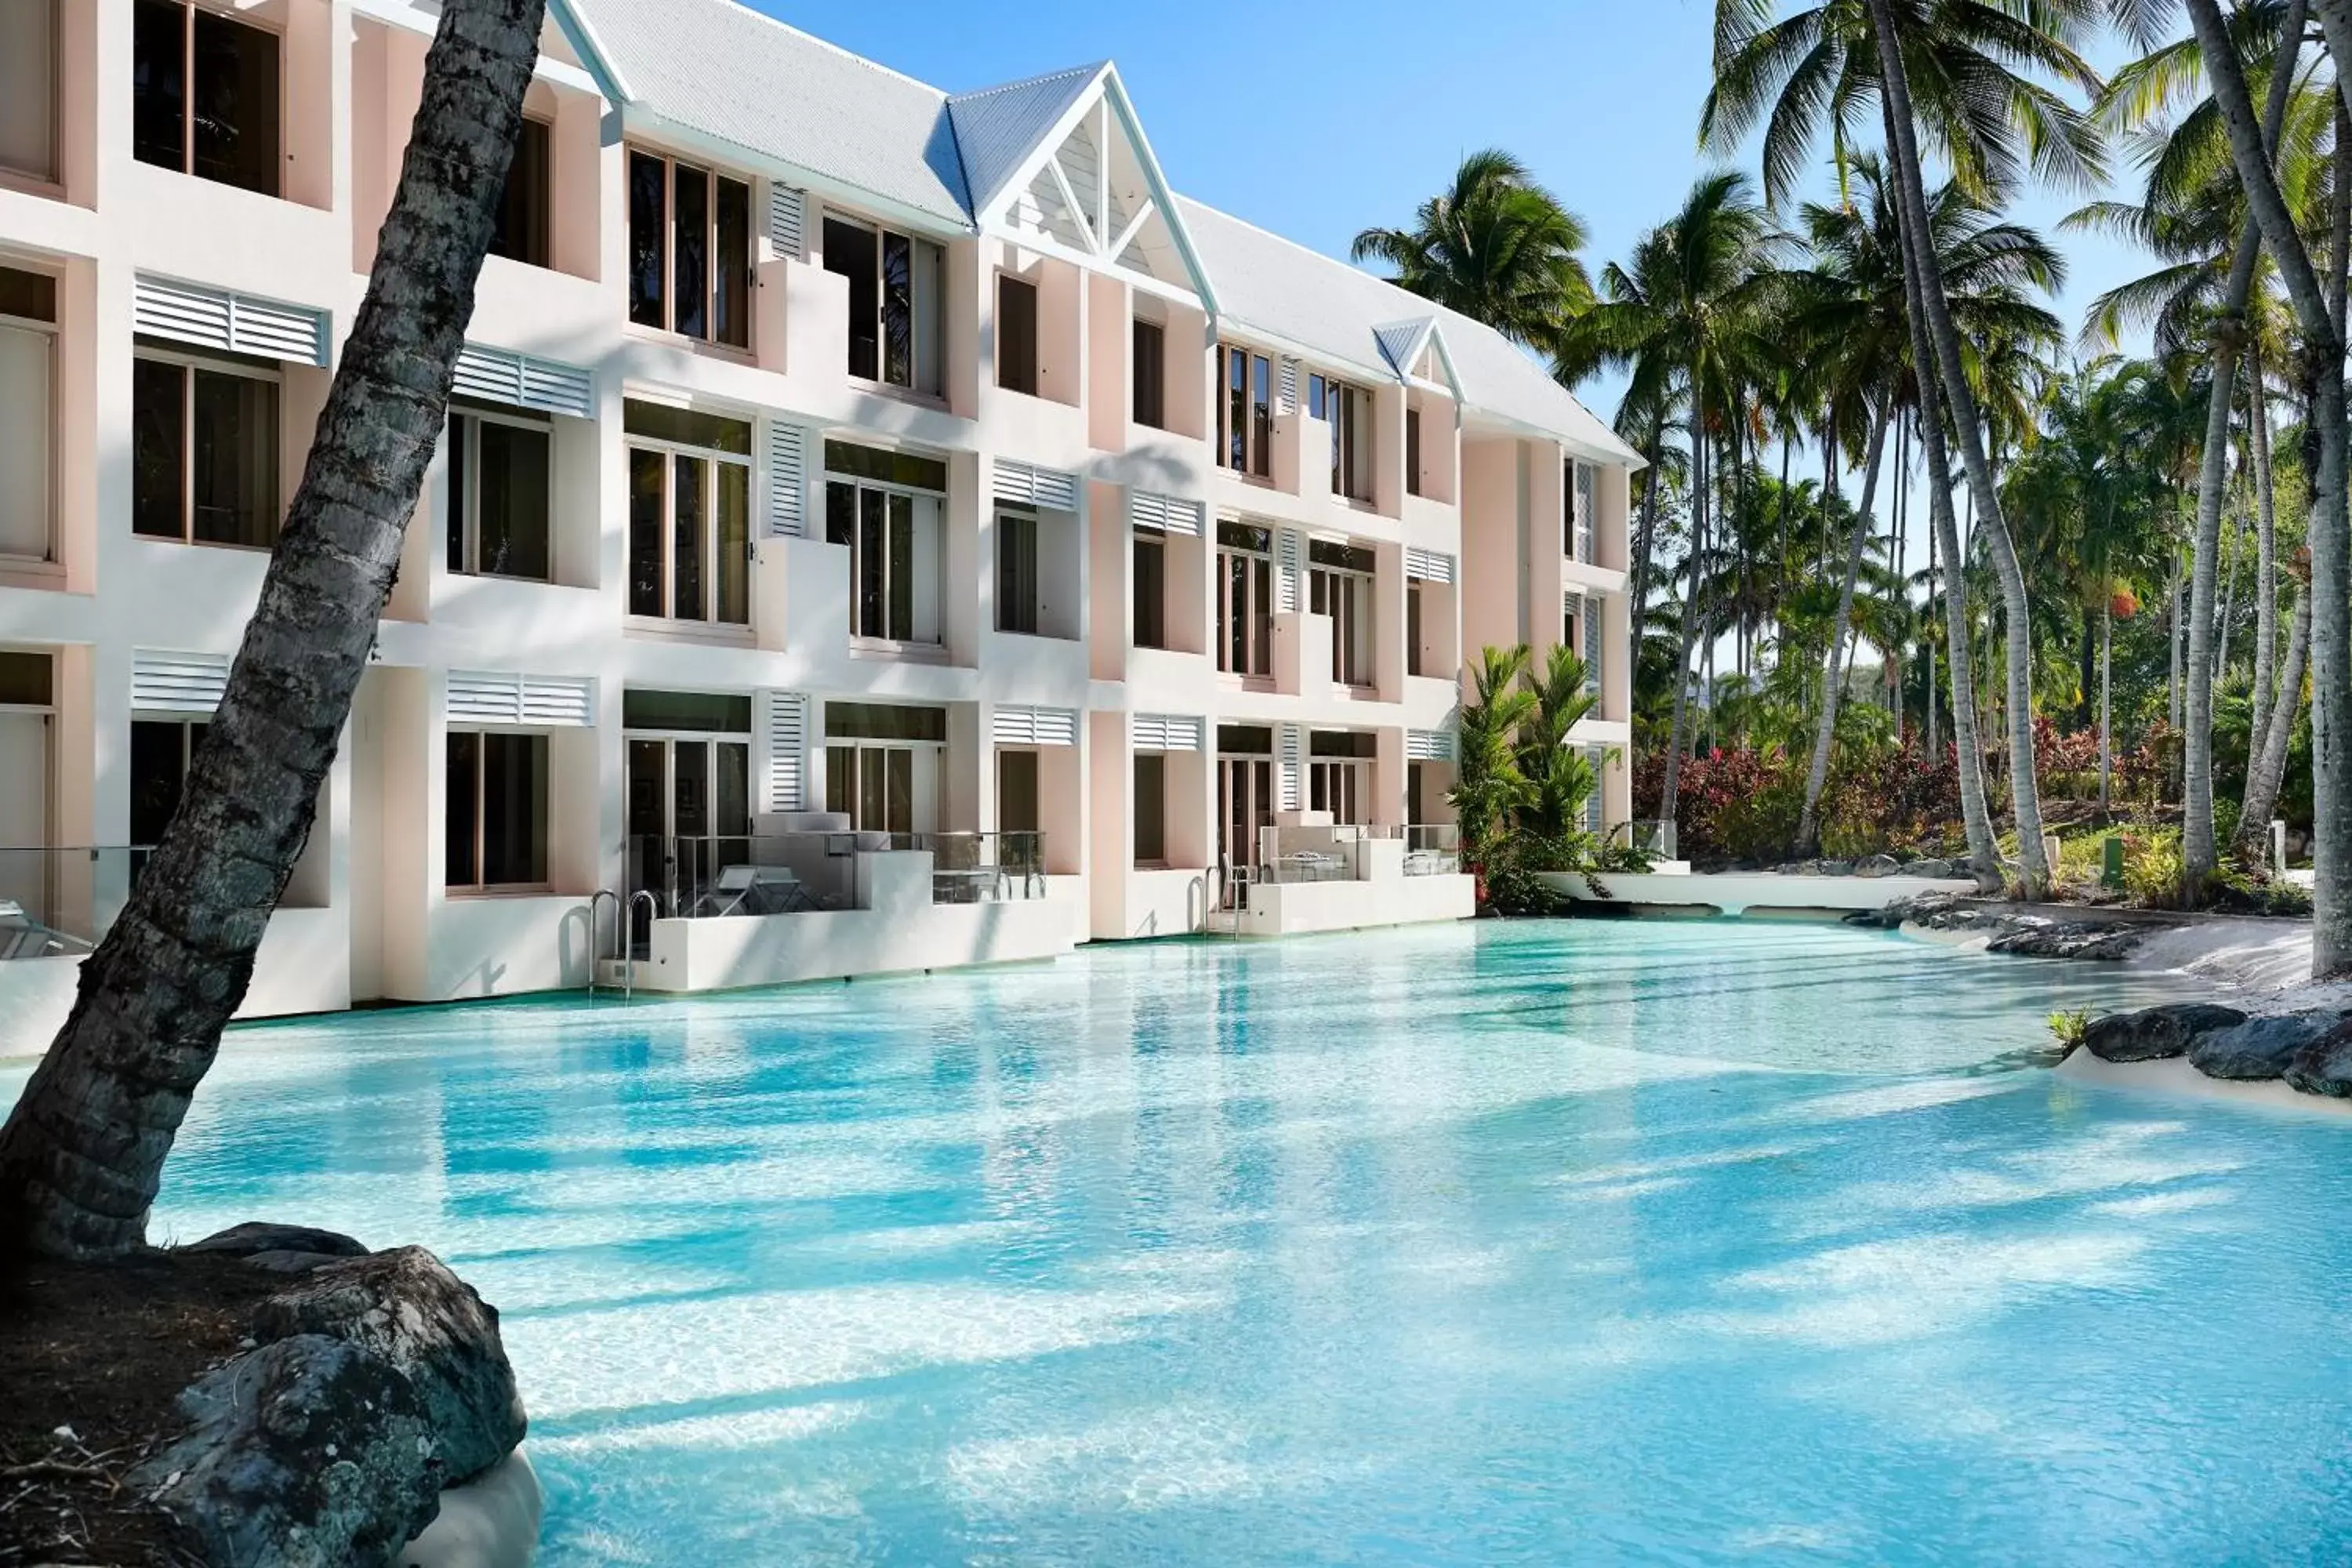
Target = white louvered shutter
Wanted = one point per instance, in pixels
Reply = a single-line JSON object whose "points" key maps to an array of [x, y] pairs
{"points": [[559, 702], [787, 481], [787, 751], [1290, 751], [1429, 745], [1429, 565], [504, 697], [220, 319], [1052, 489], [788, 221], [1015, 724], [522, 380], [1287, 388], [1164, 514], [1166, 731], [1289, 556], [165, 682]]}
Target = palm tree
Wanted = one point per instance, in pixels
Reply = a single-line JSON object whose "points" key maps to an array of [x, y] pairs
{"points": [[1558, 776], [1689, 306], [83, 1153], [1495, 245], [1487, 783]]}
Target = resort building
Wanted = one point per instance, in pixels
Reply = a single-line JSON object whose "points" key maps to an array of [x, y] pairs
{"points": [[877, 529]]}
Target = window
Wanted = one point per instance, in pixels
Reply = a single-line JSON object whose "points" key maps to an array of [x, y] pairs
{"points": [[1016, 573], [495, 831], [1151, 374], [690, 514], [1576, 491], [886, 507], [524, 205], [1412, 451], [882, 764], [1336, 766], [1150, 590], [689, 250], [1245, 599], [1348, 411], [1016, 791], [1016, 335], [28, 80], [1245, 413], [205, 95], [1339, 585], [203, 453], [161, 751], [1412, 626], [28, 316], [896, 302], [1246, 799], [1150, 809], [688, 801], [499, 495]]}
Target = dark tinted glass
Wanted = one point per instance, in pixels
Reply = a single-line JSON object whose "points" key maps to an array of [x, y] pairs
{"points": [[891, 467], [524, 205], [687, 427], [851, 249], [1340, 743], [1150, 806], [461, 819], [1150, 592], [233, 459], [687, 524], [235, 116], [648, 213], [158, 83], [1248, 739], [1150, 375], [730, 291], [645, 532], [1016, 335], [514, 809], [512, 497], [159, 754], [32, 296], [690, 245], [884, 722], [24, 680], [715, 713], [897, 311], [158, 448]]}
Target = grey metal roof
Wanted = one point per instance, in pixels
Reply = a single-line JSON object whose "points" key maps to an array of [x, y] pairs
{"points": [[998, 128], [1331, 309], [730, 72]]}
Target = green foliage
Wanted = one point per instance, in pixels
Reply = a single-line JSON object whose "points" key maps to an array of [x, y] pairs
{"points": [[2068, 1029], [2152, 867], [1520, 789]]}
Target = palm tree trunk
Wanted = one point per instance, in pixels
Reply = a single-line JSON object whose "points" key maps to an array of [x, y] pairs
{"points": [[2258, 425], [1672, 785], [2198, 856], [2173, 641], [2107, 693], [1935, 742], [2266, 771], [83, 1151], [2229, 609], [1642, 541], [2317, 313], [1960, 402], [1833, 679]]}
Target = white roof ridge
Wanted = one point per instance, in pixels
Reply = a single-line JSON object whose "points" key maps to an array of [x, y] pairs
{"points": [[1088, 71]]}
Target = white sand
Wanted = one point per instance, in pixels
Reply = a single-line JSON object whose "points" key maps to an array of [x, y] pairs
{"points": [[2174, 1078]]}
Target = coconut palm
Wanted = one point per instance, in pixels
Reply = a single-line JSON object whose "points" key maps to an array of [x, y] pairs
{"points": [[1488, 786], [1495, 245], [1689, 305], [1558, 776], [83, 1151]]}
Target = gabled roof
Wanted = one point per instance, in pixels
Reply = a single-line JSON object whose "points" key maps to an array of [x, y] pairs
{"points": [[1000, 128], [1352, 320], [725, 71]]}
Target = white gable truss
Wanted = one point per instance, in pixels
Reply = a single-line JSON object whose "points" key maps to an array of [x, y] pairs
{"points": [[1416, 351], [1090, 186]]}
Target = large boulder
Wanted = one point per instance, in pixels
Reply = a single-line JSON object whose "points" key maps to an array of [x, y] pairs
{"points": [[2324, 1066], [2153, 1033], [2033, 937], [261, 1236], [2260, 1049], [405, 1306], [1878, 866], [1938, 870], [309, 1452]]}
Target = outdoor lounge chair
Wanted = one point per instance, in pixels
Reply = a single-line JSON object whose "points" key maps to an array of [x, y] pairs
{"points": [[749, 889]]}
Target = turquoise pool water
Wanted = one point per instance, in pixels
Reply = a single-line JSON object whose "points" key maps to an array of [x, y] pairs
{"points": [[1580, 1242]]}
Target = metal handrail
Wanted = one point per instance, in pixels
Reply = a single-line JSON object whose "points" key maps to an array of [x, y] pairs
{"points": [[620, 931], [628, 949]]}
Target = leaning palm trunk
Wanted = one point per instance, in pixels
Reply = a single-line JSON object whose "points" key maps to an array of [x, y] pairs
{"points": [[2318, 317], [83, 1151], [1833, 674], [2258, 426], [2107, 696], [1672, 784], [2198, 857], [2266, 770], [1960, 402], [1641, 604]]}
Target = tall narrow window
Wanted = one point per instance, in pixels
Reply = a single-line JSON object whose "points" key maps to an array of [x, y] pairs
{"points": [[1245, 599], [896, 303], [1339, 585], [1412, 451], [161, 750], [526, 202], [495, 821], [1016, 792], [1016, 335], [1151, 591], [885, 506], [28, 316], [1016, 573], [1349, 410], [1412, 626], [1150, 808], [29, 88], [1150, 375], [203, 454], [690, 514], [205, 95], [500, 493], [1245, 413], [689, 250]]}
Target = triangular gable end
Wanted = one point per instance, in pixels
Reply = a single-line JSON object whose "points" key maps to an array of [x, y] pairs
{"points": [[1415, 350], [1087, 182], [582, 38]]}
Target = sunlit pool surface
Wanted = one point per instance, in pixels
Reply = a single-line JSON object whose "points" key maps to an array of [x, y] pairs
{"points": [[1577, 1242]]}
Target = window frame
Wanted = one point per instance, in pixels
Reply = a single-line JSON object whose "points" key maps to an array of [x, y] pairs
{"points": [[1258, 581], [921, 303], [1351, 413], [542, 824], [1353, 586], [192, 363], [1155, 541], [671, 451], [1251, 404], [542, 238], [1006, 282], [1019, 588], [1157, 416], [53, 331], [187, 164], [51, 179], [714, 262], [856, 484], [1137, 858], [465, 523]]}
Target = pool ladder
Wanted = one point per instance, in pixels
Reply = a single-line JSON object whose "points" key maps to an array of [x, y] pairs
{"points": [[623, 955]]}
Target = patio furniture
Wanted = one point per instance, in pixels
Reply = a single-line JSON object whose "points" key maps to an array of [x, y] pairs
{"points": [[750, 890]]}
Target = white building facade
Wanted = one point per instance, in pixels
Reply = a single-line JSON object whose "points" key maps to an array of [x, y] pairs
{"points": [[888, 530]]}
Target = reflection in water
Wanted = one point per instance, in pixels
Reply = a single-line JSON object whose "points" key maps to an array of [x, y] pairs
{"points": [[1539, 1243]]}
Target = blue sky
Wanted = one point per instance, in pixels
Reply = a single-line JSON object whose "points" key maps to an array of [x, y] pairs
{"points": [[1316, 121]]}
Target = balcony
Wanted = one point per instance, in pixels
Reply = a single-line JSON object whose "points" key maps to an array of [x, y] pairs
{"points": [[1315, 876]]}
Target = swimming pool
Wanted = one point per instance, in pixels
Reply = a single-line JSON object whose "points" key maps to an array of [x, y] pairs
{"points": [[1667, 1242]]}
